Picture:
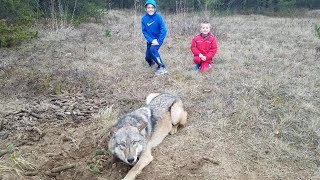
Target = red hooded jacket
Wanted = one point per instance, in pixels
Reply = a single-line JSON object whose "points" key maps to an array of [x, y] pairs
{"points": [[206, 46]]}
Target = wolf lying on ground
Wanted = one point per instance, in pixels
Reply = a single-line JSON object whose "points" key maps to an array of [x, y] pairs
{"points": [[137, 132]]}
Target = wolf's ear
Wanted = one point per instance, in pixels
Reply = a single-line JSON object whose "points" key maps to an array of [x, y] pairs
{"points": [[142, 126], [113, 130]]}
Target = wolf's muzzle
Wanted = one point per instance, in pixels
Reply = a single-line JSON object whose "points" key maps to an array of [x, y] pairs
{"points": [[130, 160]]}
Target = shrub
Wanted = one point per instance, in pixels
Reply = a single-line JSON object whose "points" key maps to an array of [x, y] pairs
{"points": [[15, 18], [11, 35]]}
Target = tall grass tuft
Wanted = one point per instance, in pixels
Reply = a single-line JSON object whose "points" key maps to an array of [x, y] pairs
{"points": [[15, 163], [317, 30]]}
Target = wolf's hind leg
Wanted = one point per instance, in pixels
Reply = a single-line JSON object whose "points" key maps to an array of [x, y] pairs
{"points": [[178, 116]]}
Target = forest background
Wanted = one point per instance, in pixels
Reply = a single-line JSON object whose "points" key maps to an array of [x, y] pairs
{"points": [[17, 17]]}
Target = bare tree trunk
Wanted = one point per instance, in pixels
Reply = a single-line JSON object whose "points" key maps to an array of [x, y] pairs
{"points": [[53, 16], [61, 13], [74, 9], [200, 5], [177, 7]]}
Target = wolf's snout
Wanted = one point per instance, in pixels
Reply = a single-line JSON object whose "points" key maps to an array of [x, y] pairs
{"points": [[130, 160]]}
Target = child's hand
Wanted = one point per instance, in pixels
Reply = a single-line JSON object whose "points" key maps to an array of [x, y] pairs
{"points": [[155, 42], [202, 57]]}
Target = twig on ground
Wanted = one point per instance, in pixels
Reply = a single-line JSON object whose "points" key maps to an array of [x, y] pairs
{"points": [[30, 173], [62, 168], [3, 152]]}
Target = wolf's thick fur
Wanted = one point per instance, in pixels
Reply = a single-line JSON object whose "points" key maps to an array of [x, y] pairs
{"points": [[136, 133]]}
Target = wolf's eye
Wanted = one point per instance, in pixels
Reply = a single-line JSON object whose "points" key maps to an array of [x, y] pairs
{"points": [[122, 145], [135, 142]]}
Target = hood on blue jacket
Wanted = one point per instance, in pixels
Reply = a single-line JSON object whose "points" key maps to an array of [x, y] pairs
{"points": [[150, 2]]}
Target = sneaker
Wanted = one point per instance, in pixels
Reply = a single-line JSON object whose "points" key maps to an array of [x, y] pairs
{"points": [[151, 64], [210, 66], [161, 70], [196, 67]]}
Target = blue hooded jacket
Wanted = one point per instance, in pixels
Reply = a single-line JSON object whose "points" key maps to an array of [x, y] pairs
{"points": [[153, 27]]}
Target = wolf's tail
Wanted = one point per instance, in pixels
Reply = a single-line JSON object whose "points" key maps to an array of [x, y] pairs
{"points": [[151, 96]]}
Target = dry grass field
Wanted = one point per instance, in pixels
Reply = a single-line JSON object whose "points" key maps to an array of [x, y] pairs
{"points": [[256, 115]]}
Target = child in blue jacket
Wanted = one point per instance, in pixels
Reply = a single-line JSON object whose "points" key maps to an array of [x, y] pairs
{"points": [[154, 30]]}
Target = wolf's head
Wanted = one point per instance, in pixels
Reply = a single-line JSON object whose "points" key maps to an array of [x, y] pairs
{"points": [[127, 143]]}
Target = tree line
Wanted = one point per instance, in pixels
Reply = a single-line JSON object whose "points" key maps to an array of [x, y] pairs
{"points": [[30, 9], [258, 6]]}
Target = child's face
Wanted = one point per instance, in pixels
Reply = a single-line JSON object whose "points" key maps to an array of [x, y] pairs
{"points": [[205, 28], [150, 9]]}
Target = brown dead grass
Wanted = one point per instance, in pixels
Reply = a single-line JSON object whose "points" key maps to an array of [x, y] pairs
{"points": [[254, 116]]}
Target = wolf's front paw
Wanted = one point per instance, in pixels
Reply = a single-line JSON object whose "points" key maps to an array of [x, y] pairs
{"points": [[128, 177], [173, 130], [125, 178]]}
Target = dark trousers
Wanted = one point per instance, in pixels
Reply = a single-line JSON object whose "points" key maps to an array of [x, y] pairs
{"points": [[153, 56]]}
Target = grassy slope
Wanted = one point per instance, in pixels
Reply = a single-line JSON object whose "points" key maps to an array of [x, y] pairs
{"points": [[256, 115]]}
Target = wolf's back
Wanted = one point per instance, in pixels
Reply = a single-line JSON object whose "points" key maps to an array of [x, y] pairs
{"points": [[161, 104]]}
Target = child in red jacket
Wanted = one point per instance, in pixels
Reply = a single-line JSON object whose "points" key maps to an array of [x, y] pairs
{"points": [[204, 47]]}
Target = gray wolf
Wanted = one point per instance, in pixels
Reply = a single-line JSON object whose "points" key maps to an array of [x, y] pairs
{"points": [[137, 132]]}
